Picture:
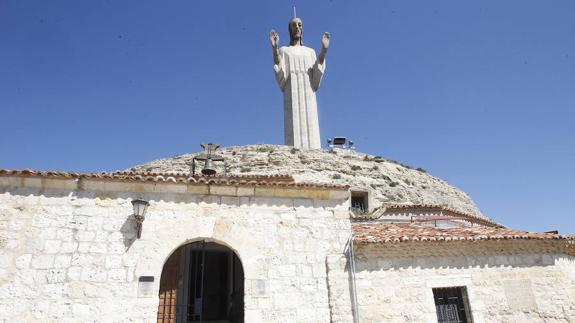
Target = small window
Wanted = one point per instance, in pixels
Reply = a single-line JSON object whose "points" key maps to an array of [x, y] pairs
{"points": [[451, 305], [359, 202]]}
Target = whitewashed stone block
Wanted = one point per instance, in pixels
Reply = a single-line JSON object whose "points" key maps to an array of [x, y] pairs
{"points": [[52, 246], [23, 262], [68, 247], [62, 261], [117, 275], [42, 261], [56, 276], [85, 235]]}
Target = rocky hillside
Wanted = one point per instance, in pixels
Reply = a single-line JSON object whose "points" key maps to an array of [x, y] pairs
{"points": [[388, 181]]}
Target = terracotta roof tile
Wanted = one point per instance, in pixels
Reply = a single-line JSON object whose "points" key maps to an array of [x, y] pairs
{"points": [[380, 233], [244, 180], [380, 213], [440, 208]]}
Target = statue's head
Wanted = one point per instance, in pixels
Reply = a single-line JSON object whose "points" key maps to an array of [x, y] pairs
{"points": [[295, 31]]}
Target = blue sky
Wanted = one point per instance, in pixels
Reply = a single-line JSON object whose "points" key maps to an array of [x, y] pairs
{"points": [[481, 94]]}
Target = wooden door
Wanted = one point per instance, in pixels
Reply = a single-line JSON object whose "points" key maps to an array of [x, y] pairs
{"points": [[168, 289], [201, 281]]}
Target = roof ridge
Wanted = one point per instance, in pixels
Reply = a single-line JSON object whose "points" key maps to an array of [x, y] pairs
{"points": [[178, 177], [380, 233], [483, 218]]}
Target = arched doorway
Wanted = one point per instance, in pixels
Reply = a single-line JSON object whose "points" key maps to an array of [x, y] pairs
{"points": [[202, 282]]}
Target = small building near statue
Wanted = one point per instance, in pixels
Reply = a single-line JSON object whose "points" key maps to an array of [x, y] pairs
{"points": [[345, 237]]}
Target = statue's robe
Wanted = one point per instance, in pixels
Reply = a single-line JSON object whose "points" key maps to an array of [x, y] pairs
{"points": [[299, 75]]}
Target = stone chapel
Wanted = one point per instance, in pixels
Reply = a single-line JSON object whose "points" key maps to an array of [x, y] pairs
{"points": [[286, 235]]}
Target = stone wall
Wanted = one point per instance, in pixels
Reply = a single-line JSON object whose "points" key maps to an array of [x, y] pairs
{"points": [[69, 253], [72, 255], [503, 283]]}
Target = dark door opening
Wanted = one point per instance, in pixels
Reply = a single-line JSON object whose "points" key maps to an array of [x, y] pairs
{"points": [[450, 305], [359, 202], [209, 286]]}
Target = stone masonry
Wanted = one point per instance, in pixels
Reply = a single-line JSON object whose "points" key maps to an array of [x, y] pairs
{"points": [[511, 281], [69, 251]]}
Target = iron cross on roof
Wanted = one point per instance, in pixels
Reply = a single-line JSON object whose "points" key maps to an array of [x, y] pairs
{"points": [[208, 157]]}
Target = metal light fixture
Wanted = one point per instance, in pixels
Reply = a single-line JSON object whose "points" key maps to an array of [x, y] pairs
{"points": [[140, 207]]}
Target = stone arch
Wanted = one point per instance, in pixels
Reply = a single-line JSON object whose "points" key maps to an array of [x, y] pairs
{"points": [[224, 243], [202, 281]]}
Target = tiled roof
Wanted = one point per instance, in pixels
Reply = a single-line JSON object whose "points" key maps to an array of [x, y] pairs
{"points": [[380, 233], [441, 208], [391, 206], [244, 180]]}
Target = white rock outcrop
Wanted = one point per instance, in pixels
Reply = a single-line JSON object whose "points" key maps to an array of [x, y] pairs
{"points": [[386, 181]]}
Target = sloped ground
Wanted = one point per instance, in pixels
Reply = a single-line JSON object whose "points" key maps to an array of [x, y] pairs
{"points": [[388, 181]]}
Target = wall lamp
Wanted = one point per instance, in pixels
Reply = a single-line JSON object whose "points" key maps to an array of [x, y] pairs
{"points": [[140, 207]]}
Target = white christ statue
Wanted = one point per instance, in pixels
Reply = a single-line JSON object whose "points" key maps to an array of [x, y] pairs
{"points": [[299, 73]]}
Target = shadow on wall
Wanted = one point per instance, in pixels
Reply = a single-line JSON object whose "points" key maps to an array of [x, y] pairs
{"points": [[458, 255], [128, 231]]}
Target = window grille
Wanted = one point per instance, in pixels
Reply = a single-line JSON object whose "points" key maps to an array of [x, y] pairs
{"points": [[451, 305]]}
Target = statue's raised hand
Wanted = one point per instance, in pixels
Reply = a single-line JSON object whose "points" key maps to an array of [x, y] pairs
{"points": [[274, 38], [325, 40]]}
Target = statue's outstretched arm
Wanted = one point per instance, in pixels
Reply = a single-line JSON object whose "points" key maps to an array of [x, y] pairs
{"points": [[319, 66], [324, 47], [274, 40], [279, 67]]}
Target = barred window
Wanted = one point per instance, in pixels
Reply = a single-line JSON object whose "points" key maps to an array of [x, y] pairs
{"points": [[451, 305]]}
